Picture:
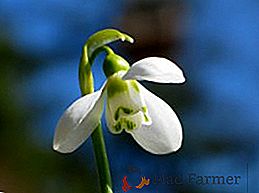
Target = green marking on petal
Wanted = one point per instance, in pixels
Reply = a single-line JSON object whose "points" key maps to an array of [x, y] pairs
{"points": [[117, 114], [116, 85], [144, 109], [146, 117], [125, 124], [117, 127], [122, 109], [134, 85]]}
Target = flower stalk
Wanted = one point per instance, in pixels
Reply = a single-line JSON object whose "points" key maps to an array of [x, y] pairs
{"points": [[98, 144], [102, 160], [95, 45], [87, 86]]}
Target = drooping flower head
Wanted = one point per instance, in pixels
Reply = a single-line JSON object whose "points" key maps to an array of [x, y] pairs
{"points": [[130, 107]]}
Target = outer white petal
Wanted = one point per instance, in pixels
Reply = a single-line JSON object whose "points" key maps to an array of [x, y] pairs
{"points": [[155, 69], [78, 122], [164, 135]]}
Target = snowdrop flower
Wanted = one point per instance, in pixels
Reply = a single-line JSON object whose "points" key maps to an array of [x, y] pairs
{"points": [[130, 107]]}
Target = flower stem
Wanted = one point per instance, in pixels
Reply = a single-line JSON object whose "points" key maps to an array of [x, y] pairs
{"points": [[87, 86], [102, 160]]}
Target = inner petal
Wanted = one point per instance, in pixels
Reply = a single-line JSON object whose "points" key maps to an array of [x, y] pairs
{"points": [[126, 108], [129, 123]]}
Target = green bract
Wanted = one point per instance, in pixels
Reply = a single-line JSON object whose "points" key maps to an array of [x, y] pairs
{"points": [[104, 37]]}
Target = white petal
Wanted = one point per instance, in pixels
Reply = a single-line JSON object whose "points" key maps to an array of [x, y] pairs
{"points": [[78, 122], [155, 69], [164, 135]]}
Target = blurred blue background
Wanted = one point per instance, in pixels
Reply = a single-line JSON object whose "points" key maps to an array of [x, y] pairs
{"points": [[215, 42]]}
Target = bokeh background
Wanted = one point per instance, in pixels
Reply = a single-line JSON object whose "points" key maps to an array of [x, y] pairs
{"points": [[215, 42]]}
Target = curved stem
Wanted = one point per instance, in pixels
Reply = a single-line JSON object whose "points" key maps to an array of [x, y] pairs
{"points": [[86, 80], [93, 46], [105, 49], [86, 87]]}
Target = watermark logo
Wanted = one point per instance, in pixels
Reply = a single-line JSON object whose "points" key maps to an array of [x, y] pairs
{"points": [[213, 180], [144, 182], [126, 187]]}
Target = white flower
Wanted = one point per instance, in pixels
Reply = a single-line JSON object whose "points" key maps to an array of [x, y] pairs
{"points": [[130, 107]]}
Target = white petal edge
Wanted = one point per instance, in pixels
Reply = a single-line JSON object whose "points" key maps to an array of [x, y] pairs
{"points": [[155, 69], [164, 135], [78, 122]]}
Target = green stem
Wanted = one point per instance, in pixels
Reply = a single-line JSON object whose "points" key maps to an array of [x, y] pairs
{"points": [[105, 49], [87, 86], [102, 160], [94, 45]]}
